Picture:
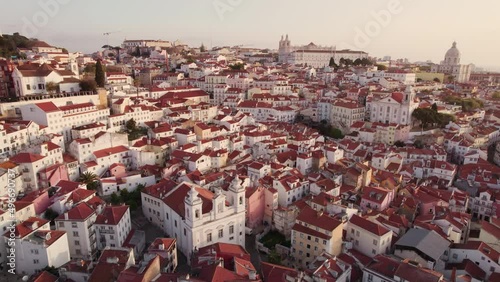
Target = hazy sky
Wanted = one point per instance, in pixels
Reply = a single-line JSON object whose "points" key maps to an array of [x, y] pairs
{"points": [[416, 29]]}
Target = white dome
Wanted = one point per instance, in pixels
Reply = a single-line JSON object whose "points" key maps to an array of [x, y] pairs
{"points": [[453, 52], [452, 57]]}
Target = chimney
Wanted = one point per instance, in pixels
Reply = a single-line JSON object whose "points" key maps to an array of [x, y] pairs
{"points": [[112, 260], [252, 275], [66, 216]]}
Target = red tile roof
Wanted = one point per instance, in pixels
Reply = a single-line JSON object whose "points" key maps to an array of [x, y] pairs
{"points": [[111, 215], [318, 219], [47, 107], [80, 212], [23, 158], [44, 276], [277, 273], [110, 151], [27, 227], [368, 225]]}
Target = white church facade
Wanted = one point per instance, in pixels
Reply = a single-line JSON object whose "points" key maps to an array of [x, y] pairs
{"points": [[451, 65], [394, 108], [313, 55]]}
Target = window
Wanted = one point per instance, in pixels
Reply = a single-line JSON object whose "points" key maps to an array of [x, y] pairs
{"points": [[357, 233], [221, 233], [61, 224], [28, 86], [175, 223], [375, 242], [352, 230], [111, 237], [454, 256], [78, 251], [324, 242], [73, 224], [35, 261], [75, 233], [316, 240], [77, 243], [373, 251], [209, 237], [308, 246], [185, 233]]}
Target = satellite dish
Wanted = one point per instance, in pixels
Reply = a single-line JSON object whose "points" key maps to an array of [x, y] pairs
{"points": [[26, 277]]}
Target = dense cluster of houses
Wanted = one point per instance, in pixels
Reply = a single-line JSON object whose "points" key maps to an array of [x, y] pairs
{"points": [[223, 152]]}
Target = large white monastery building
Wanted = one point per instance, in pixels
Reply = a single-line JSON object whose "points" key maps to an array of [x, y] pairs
{"points": [[313, 55]]}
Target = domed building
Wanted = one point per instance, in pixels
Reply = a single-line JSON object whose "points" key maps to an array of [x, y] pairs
{"points": [[451, 65]]}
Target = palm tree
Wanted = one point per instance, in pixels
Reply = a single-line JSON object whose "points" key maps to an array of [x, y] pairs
{"points": [[90, 179]]}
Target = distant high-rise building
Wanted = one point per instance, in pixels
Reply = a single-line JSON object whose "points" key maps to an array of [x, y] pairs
{"points": [[452, 67]]}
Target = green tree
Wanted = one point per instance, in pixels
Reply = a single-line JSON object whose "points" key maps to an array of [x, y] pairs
{"points": [[273, 257], [99, 74], [332, 62], [202, 48], [434, 107], [496, 95], [115, 199], [88, 85], [418, 144], [90, 179], [336, 133], [52, 270], [136, 52], [124, 195], [50, 214], [52, 87], [451, 79], [131, 125], [419, 80], [366, 62], [357, 62], [399, 143], [437, 80], [381, 67], [238, 66], [89, 68]]}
